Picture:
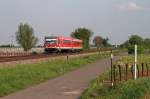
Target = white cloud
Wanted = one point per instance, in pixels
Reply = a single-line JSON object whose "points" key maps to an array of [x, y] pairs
{"points": [[130, 6]]}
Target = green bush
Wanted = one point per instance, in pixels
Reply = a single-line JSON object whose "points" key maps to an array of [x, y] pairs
{"points": [[140, 49]]}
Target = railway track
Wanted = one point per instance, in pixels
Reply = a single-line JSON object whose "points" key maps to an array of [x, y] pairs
{"points": [[38, 56]]}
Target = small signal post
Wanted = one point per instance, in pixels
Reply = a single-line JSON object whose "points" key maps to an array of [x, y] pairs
{"points": [[135, 67], [111, 59]]}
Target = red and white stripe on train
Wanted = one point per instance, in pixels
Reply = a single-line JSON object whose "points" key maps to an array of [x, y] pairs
{"points": [[60, 43]]}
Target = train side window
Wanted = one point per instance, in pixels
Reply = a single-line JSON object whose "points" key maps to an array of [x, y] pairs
{"points": [[59, 41], [75, 43], [51, 41], [67, 42]]}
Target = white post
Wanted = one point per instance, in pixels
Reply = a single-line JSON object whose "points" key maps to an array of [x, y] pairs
{"points": [[135, 73]]}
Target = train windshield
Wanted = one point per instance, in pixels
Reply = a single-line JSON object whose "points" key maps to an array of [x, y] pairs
{"points": [[51, 41]]}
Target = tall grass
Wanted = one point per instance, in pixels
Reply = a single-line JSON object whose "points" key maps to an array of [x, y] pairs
{"points": [[141, 58]]}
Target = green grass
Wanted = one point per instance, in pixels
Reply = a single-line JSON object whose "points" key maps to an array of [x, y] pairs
{"points": [[22, 76], [132, 89]]}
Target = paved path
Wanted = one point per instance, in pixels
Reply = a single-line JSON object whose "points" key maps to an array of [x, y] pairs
{"points": [[68, 86]]}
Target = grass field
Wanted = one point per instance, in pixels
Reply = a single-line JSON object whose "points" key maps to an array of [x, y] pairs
{"points": [[130, 59], [132, 89], [22, 76]]}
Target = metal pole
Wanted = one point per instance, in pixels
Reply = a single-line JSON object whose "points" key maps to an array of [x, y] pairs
{"points": [[111, 65], [135, 67]]}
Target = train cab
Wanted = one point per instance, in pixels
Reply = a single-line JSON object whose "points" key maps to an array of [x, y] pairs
{"points": [[60, 43]]}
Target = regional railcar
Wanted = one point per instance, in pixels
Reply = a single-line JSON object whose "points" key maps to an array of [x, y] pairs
{"points": [[60, 44]]}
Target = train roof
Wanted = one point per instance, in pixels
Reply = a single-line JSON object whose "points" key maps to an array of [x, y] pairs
{"points": [[50, 37], [67, 38], [74, 39]]}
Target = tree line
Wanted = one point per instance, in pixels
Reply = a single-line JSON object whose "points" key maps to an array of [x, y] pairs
{"points": [[143, 44], [26, 38]]}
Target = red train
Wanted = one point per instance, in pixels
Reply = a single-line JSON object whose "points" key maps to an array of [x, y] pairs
{"points": [[60, 43]]}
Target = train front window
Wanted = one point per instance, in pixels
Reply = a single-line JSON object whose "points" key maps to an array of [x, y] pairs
{"points": [[51, 41]]}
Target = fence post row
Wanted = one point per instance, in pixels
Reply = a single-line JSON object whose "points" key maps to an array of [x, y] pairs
{"points": [[140, 71]]}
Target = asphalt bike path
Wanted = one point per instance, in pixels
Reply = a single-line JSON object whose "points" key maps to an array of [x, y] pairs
{"points": [[68, 86]]}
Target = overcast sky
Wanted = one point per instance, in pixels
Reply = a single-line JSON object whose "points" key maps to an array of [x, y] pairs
{"points": [[115, 19]]}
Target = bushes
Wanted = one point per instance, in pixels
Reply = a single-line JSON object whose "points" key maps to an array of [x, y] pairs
{"points": [[135, 89], [136, 39], [140, 49]]}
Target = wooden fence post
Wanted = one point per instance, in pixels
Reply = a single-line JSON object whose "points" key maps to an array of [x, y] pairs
{"points": [[126, 72], [114, 71], [119, 72], [67, 58], [132, 71], [147, 69], [142, 69]]}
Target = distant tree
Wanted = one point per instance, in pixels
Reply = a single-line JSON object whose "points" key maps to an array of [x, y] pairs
{"points": [[136, 39], [143, 44], [140, 49], [125, 44], [8, 46], [83, 34], [39, 46], [25, 36], [147, 43], [98, 40], [106, 43], [133, 39]]}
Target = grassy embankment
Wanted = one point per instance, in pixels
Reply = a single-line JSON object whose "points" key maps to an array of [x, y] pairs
{"points": [[26, 75], [139, 89]]}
